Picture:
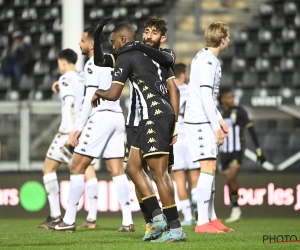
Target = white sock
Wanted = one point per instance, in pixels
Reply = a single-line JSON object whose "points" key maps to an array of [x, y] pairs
{"points": [[122, 188], [92, 190], [211, 205], [52, 189], [186, 209], [203, 196], [76, 191], [194, 194]]}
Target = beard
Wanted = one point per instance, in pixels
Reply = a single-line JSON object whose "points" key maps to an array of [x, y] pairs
{"points": [[153, 44]]}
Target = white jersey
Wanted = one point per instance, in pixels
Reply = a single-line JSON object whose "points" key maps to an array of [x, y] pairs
{"points": [[71, 91], [133, 117], [96, 78], [204, 85], [184, 96]]}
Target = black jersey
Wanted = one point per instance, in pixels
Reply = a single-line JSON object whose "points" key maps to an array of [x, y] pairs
{"points": [[237, 120], [148, 79]]}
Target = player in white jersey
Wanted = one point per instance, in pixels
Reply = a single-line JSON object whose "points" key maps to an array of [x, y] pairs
{"points": [[71, 85], [99, 132], [204, 124], [182, 157]]}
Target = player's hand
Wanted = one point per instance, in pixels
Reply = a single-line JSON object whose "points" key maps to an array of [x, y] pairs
{"points": [[71, 135], [224, 127], [55, 87], [219, 137], [95, 100], [130, 47], [102, 22], [260, 157], [75, 140], [174, 140]]}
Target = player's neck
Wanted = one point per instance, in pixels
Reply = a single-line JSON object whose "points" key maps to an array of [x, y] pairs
{"points": [[90, 54], [179, 83], [70, 68], [215, 51]]}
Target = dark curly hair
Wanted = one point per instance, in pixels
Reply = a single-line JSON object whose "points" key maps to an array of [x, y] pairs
{"points": [[223, 91], [158, 22]]}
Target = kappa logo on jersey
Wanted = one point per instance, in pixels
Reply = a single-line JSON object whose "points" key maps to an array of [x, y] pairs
{"points": [[126, 150], [145, 88], [65, 84], [152, 149], [200, 138], [149, 96], [140, 82], [150, 131], [118, 72], [149, 123], [201, 146], [158, 112], [151, 140], [90, 71], [209, 63], [154, 103]]}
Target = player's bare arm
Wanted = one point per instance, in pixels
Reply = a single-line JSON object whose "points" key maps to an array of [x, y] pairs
{"points": [[111, 94], [55, 86]]}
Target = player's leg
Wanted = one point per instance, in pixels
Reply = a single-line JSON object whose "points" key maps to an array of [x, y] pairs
{"points": [[56, 154], [194, 173], [231, 179], [92, 192]]}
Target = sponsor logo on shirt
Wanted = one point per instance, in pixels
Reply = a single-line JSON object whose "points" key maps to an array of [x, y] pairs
{"points": [[209, 63], [118, 71], [89, 71], [65, 84]]}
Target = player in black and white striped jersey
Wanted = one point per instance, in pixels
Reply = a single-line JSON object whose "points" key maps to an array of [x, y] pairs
{"points": [[232, 151]]}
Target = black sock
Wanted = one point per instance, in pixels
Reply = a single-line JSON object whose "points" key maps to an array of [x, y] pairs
{"points": [[147, 216], [151, 203], [172, 216], [234, 198]]}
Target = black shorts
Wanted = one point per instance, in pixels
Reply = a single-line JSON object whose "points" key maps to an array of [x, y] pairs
{"points": [[235, 157], [130, 135], [154, 136]]}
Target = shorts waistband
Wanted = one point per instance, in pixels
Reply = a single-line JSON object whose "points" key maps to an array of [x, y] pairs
{"points": [[197, 123]]}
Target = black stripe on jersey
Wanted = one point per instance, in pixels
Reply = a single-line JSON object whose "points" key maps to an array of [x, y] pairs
{"points": [[207, 86], [92, 86], [204, 159], [196, 123], [66, 96], [133, 107]]}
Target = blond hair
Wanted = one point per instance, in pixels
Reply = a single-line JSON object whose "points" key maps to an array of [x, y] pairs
{"points": [[214, 34]]}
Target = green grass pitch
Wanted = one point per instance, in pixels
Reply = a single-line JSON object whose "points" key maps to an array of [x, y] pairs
{"points": [[23, 234]]}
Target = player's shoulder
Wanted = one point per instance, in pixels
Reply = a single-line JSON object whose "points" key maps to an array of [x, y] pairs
{"points": [[64, 79], [240, 109], [205, 57], [170, 51]]}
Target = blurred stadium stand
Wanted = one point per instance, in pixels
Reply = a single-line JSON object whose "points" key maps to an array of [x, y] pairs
{"points": [[262, 64]]}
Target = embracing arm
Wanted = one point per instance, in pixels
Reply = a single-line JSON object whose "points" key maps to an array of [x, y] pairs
{"points": [[174, 96], [70, 112], [111, 94]]}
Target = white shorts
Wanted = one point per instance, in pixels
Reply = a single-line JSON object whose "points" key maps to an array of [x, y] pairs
{"points": [[103, 135], [202, 141], [182, 156], [60, 149]]}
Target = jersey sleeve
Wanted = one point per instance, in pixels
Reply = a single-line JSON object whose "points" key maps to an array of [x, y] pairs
{"points": [[205, 78], [170, 75], [123, 68], [244, 117], [65, 88]]}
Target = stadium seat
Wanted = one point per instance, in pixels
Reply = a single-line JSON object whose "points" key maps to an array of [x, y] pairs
{"points": [[254, 22], [5, 86], [297, 21], [266, 9], [120, 12], [294, 143], [109, 2], [230, 52], [29, 13], [227, 80], [52, 13], [130, 2], [3, 41], [47, 39], [20, 3], [27, 39], [96, 13], [276, 50], [250, 80], [240, 37], [57, 25], [153, 2], [264, 36], [12, 26], [262, 64], [26, 87], [142, 12], [252, 50], [53, 53], [89, 3], [285, 126], [41, 68], [48, 80], [238, 65], [289, 35], [274, 80], [287, 64], [296, 49], [296, 80], [277, 22], [109, 27], [289, 8]]}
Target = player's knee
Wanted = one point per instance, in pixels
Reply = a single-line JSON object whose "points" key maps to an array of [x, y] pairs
{"points": [[49, 169]]}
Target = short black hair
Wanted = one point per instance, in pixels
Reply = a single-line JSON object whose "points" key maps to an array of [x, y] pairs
{"points": [[90, 32], [179, 68], [158, 22], [223, 91], [124, 26], [69, 55]]}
